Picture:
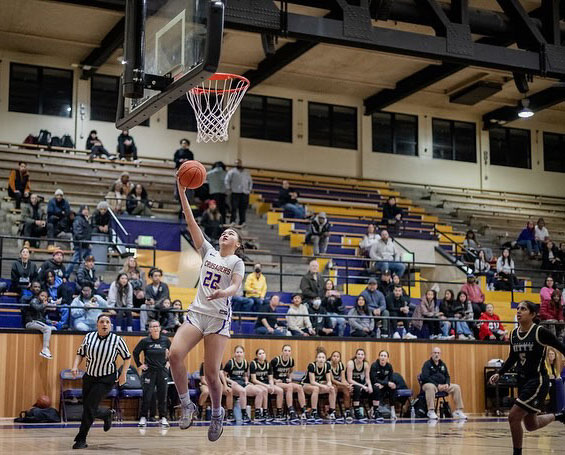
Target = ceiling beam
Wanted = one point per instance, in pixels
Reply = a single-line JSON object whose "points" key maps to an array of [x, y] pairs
{"points": [[526, 33], [539, 101], [110, 43]]}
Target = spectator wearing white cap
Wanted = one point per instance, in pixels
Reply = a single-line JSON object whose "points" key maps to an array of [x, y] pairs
{"points": [[58, 210], [100, 219], [319, 234]]}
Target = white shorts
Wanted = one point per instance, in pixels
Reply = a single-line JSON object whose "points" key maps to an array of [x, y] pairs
{"points": [[208, 324]]}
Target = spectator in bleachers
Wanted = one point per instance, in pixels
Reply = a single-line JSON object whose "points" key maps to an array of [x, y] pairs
{"points": [[333, 305], [35, 317], [268, 325], [368, 240], [527, 239], [256, 286], [138, 202], [35, 223], [397, 306], [446, 308], [58, 210], [492, 328], [322, 325], [240, 303], [56, 290], [386, 255], [393, 215], [211, 221], [360, 327], [86, 275], [178, 316], [125, 181], [482, 267], [216, 179], [473, 246], [319, 234], [82, 231], [435, 378], [18, 184], [297, 319], [101, 219], [120, 296], [64, 230], [463, 310], [426, 315], [288, 201], [23, 273], [116, 198], [376, 303], [505, 274], [475, 295], [550, 257], [239, 182], [548, 287], [147, 314], [541, 233], [551, 312], [397, 282], [94, 144], [183, 153], [127, 149], [166, 316], [312, 284], [55, 264], [157, 290], [136, 278], [358, 375], [86, 308], [386, 283]]}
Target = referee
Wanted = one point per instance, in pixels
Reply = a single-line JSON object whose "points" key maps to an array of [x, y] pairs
{"points": [[155, 367], [100, 349]]}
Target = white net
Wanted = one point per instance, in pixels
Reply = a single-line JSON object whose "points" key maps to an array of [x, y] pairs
{"points": [[214, 102]]}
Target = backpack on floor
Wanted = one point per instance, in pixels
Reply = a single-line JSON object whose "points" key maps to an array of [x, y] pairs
{"points": [[67, 142], [39, 415], [30, 139], [56, 142], [420, 407], [445, 410], [384, 411], [44, 137]]}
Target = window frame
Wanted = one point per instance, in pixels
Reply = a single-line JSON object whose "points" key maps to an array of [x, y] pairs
{"points": [[561, 139], [393, 134], [264, 116], [331, 125], [508, 131], [453, 140]]}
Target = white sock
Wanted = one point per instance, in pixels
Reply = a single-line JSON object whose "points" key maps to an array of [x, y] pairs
{"points": [[216, 412], [184, 399]]}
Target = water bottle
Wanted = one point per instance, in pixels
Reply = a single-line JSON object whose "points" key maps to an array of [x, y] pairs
{"points": [[248, 409], [237, 411], [412, 413]]}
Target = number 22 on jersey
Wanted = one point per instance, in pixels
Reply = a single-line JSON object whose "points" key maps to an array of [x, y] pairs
{"points": [[211, 280]]}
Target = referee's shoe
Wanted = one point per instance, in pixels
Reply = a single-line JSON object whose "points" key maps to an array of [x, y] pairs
{"points": [[108, 420]]}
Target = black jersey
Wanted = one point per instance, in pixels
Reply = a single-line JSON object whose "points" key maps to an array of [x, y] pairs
{"points": [[261, 370], [320, 374], [154, 352], [528, 349], [282, 369], [336, 372], [359, 375], [236, 370], [381, 374]]}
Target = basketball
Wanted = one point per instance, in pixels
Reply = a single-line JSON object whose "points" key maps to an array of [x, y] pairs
{"points": [[43, 402], [191, 174]]}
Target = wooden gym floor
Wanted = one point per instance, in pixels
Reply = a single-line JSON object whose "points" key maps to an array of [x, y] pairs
{"points": [[476, 436]]}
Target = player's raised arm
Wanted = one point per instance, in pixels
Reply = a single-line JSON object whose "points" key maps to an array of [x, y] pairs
{"points": [[191, 223]]}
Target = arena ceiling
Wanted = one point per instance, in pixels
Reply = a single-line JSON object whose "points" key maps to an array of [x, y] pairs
{"points": [[90, 32]]}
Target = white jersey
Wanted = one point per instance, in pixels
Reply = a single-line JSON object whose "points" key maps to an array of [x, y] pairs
{"points": [[216, 273]]}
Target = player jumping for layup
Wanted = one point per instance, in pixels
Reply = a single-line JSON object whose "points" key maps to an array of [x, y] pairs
{"points": [[209, 318], [528, 344]]}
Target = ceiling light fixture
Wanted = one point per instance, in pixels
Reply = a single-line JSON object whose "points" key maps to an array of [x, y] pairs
{"points": [[525, 112]]}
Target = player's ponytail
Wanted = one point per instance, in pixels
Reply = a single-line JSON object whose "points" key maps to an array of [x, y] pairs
{"points": [[240, 251]]}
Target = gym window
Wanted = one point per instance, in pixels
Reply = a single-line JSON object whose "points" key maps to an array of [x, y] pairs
{"points": [[266, 117], [39, 90], [395, 133], [332, 126], [104, 92], [454, 140], [180, 115], [510, 147], [554, 152]]}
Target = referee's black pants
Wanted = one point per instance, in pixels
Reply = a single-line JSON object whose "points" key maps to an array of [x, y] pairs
{"points": [[94, 390], [151, 379]]}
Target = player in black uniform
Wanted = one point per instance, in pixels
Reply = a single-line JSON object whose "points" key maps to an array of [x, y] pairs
{"points": [[282, 374], [383, 387], [340, 383], [528, 344], [155, 368], [358, 377], [261, 375], [318, 381], [205, 393], [238, 379]]}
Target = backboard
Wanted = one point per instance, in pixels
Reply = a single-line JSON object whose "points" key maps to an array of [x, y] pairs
{"points": [[169, 47]]}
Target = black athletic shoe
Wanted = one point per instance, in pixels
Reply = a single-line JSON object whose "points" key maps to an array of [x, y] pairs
{"points": [[292, 416], [80, 445], [244, 417], [230, 417], [268, 416], [332, 417], [560, 417], [108, 420], [280, 417], [348, 416], [305, 416], [377, 415], [360, 415], [259, 417]]}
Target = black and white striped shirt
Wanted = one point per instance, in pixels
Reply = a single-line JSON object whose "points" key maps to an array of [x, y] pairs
{"points": [[101, 353]]}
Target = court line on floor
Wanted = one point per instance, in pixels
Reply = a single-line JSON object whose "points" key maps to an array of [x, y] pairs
{"points": [[365, 447]]}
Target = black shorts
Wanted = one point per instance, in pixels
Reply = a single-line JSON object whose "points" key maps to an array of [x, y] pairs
{"points": [[532, 393]]}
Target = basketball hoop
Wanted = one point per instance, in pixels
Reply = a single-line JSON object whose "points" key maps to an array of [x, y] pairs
{"points": [[214, 102]]}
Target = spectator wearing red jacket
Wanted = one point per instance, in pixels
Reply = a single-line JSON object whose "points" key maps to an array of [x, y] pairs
{"points": [[492, 328], [552, 312], [475, 296]]}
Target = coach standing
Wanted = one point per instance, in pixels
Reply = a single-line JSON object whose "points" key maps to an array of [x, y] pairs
{"points": [[101, 348]]}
